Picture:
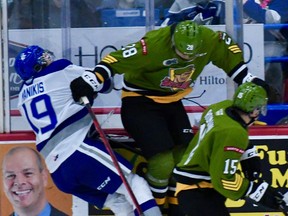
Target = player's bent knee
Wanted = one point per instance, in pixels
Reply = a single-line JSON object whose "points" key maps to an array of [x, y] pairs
{"points": [[160, 166]]}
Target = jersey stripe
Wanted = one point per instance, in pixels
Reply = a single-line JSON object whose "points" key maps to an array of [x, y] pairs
{"points": [[63, 130], [109, 59], [233, 185], [190, 175], [235, 49], [103, 158]]}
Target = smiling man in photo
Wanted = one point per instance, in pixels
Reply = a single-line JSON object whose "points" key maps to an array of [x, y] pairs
{"points": [[25, 179]]}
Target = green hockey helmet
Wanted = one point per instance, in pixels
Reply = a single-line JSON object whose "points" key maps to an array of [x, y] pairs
{"points": [[187, 38], [249, 97]]}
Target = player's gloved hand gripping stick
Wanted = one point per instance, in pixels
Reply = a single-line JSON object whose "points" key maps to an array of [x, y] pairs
{"points": [[85, 101]]}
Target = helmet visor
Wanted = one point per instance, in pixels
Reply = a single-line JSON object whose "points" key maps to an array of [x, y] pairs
{"points": [[185, 56], [262, 110]]}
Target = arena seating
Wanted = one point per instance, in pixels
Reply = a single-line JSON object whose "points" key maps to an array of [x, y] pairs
{"points": [[275, 113]]}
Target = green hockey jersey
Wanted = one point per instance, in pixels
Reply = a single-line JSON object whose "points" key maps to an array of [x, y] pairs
{"points": [[214, 153], [152, 66]]}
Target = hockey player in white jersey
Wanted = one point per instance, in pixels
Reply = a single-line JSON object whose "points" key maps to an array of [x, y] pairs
{"points": [[79, 165]]}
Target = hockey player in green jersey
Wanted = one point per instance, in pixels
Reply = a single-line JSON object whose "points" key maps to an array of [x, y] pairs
{"points": [[207, 173], [159, 70]]}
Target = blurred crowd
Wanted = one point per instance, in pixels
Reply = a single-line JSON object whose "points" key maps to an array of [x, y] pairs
{"points": [[26, 14]]}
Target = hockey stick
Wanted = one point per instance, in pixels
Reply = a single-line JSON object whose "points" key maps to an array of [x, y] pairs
{"points": [[285, 207], [109, 149]]}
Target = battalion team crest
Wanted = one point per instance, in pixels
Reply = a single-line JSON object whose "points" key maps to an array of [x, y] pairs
{"points": [[179, 78]]}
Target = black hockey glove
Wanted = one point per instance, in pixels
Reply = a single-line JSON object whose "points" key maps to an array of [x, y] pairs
{"points": [[80, 88], [273, 95], [267, 196], [250, 163], [262, 83], [86, 85]]}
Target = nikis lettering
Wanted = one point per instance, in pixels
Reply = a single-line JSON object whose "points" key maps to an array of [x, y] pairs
{"points": [[32, 90]]}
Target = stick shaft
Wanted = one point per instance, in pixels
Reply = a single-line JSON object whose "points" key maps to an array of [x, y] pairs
{"points": [[111, 152]]}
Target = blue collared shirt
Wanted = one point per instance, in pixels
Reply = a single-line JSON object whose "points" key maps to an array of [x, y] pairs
{"points": [[45, 212]]}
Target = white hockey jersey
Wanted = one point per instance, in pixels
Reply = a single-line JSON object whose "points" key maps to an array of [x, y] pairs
{"points": [[59, 123]]}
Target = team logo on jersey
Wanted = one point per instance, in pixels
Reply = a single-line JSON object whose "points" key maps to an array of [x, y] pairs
{"points": [[56, 157], [179, 78], [169, 62]]}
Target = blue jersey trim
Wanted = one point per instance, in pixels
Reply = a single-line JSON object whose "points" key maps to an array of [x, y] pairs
{"points": [[77, 116], [55, 66]]}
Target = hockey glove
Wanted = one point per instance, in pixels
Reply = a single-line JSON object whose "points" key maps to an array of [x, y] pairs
{"points": [[250, 163], [86, 85], [261, 83], [274, 95], [263, 194]]}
